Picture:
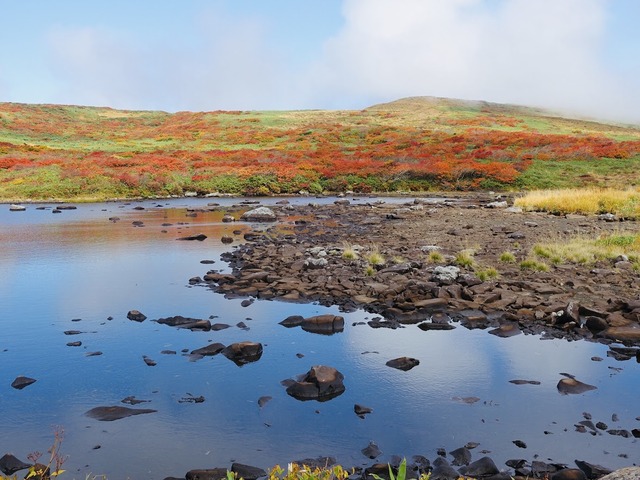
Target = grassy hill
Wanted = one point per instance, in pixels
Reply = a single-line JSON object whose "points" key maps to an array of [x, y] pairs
{"points": [[413, 144]]}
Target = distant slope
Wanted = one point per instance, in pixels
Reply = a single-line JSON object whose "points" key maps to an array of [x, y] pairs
{"points": [[417, 143]]}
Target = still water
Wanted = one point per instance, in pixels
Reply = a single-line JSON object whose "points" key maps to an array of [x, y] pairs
{"points": [[76, 269]]}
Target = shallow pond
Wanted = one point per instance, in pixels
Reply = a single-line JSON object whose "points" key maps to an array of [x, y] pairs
{"points": [[76, 269]]}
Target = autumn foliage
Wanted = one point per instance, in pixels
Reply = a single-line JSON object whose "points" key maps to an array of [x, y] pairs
{"points": [[120, 153]]}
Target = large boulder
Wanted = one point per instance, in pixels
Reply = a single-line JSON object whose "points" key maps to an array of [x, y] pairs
{"points": [[567, 386], [319, 383], [260, 214], [10, 464], [21, 382], [324, 324], [403, 363], [186, 322], [242, 353]]}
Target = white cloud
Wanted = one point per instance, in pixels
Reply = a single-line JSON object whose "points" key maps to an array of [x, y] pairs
{"points": [[545, 53]]}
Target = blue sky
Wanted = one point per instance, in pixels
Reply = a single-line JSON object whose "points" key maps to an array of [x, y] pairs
{"points": [[577, 56]]}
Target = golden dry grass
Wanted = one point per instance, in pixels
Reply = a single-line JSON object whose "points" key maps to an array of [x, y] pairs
{"points": [[585, 250], [589, 201]]}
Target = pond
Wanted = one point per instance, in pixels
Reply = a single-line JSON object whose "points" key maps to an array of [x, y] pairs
{"points": [[83, 270]]}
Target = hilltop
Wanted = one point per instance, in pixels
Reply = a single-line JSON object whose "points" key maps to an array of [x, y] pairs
{"points": [[412, 144]]}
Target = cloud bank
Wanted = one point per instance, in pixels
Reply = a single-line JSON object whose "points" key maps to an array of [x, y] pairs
{"points": [[547, 53]]}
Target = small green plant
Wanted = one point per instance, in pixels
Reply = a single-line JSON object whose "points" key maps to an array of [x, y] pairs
{"points": [[535, 265], [348, 252], [507, 257], [302, 472], [435, 257], [396, 259], [488, 273], [541, 251], [370, 271], [402, 473], [375, 257], [465, 259]]}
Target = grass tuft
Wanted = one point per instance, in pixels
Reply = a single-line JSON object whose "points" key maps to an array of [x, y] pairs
{"points": [[588, 201], [535, 265], [507, 257], [464, 258]]}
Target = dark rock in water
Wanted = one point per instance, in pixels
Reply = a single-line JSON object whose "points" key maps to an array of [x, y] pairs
{"points": [[620, 433], [72, 332], [361, 410], [461, 456], [93, 354], [168, 352], [209, 350], [186, 322], [323, 324], [443, 471], [136, 316], [262, 401], [292, 321], [371, 451], [74, 344], [568, 386], [195, 280], [10, 464], [246, 302], [226, 239], [208, 474], [519, 444], [260, 214], [376, 470], [21, 382], [17, 208], [191, 399], [247, 472], [242, 353], [148, 361], [569, 474], [403, 363], [66, 207], [471, 445], [207, 262], [467, 400], [506, 330], [216, 327], [516, 463], [426, 326], [199, 237], [482, 467], [109, 414], [131, 400], [320, 383], [542, 469], [591, 470], [525, 382]]}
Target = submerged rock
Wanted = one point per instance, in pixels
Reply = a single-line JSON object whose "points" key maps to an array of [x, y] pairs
{"points": [[319, 383], [199, 237], [242, 353], [21, 382], [209, 350], [371, 451], [186, 322], [568, 386], [109, 414], [10, 464], [403, 363]]}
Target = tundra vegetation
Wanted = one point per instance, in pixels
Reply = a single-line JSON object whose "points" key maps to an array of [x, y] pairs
{"points": [[414, 144]]}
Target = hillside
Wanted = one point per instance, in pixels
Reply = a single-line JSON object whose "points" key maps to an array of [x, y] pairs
{"points": [[413, 144]]}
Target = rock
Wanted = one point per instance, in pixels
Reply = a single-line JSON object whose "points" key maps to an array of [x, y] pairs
{"points": [[525, 382], [109, 414], [371, 451], [501, 204], [623, 333], [592, 471], [629, 473], [262, 401], [260, 214], [136, 316], [319, 383], [72, 332], [226, 239], [506, 330], [207, 474], [21, 382], [292, 321], [596, 324], [228, 219], [568, 386], [445, 274], [482, 467], [323, 324], [17, 208], [132, 400], [403, 363], [10, 464], [361, 410], [148, 361], [519, 444], [569, 474], [443, 471], [199, 237], [186, 322], [315, 263], [195, 280], [209, 350], [247, 472], [74, 344], [242, 353], [461, 456]]}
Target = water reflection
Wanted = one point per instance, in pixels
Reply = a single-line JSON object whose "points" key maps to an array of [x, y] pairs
{"points": [[80, 265]]}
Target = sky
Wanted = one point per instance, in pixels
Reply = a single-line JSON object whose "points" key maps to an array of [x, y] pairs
{"points": [[580, 57]]}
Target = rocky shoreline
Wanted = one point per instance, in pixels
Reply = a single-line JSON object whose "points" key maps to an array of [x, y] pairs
{"points": [[298, 254]]}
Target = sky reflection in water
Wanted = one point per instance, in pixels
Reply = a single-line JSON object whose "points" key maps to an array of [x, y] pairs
{"points": [[80, 265]]}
